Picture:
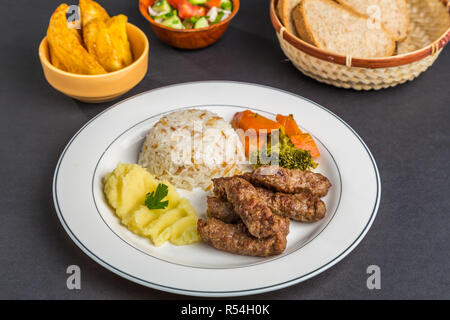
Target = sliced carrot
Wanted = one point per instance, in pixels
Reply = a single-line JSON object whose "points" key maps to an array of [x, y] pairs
{"points": [[290, 126], [304, 141], [237, 119], [247, 120]]}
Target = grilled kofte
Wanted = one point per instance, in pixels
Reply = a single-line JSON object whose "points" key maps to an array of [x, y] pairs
{"points": [[245, 218], [235, 238], [222, 210], [257, 217], [291, 180], [303, 206]]}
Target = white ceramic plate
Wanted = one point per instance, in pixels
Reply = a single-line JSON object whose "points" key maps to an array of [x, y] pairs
{"points": [[117, 134]]}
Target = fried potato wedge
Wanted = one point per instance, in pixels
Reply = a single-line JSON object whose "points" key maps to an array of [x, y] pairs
{"points": [[66, 47], [91, 10], [118, 30], [108, 42], [54, 59]]}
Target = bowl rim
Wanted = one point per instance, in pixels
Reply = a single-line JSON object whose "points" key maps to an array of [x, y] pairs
{"points": [[144, 11], [371, 63], [47, 62]]}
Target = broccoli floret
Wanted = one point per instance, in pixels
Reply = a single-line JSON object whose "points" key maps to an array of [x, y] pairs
{"points": [[293, 158], [288, 157], [285, 154]]}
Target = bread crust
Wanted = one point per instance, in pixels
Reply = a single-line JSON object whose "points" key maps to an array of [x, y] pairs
{"points": [[305, 31], [303, 28], [284, 11]]}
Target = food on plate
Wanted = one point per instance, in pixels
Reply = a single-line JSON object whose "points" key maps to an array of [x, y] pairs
{"points": [[284, 10], [246, 217], [253, 129], [302, 206], [242, 195], [291, 180], [290, 126], [306, 142], [299, 139], [241, 208], [340, 29], [249, 120], [149, 207], [281, 141], [248, 212], [108, 42], [283, 153], [393, 14], [104, 46], [188, 148], [190, 14], [127, 186], [221, 209], [235, 238], [65, 46]]}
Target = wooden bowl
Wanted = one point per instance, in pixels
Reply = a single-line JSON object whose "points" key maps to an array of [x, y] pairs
{"points": [[428, 35], [100, 87], [187, 38]]}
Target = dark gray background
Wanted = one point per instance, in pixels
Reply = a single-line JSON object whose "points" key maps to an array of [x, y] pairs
{"points": [[406, 128]]}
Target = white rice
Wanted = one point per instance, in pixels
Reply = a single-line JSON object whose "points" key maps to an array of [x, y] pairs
{"points": [[188, 148]]}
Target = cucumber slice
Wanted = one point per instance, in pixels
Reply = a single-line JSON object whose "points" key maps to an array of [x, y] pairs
{"points": [[197, 2], [201, 23], [162, 6], [226, 5], [173, 22]]}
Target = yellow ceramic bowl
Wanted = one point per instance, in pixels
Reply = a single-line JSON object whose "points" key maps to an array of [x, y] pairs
{"points": [[102, 87]]}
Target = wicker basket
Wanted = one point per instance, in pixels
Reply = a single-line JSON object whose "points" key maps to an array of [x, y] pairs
{"points": [[429, 32]]}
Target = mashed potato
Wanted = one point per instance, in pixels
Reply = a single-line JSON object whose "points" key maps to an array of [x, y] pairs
{"points": [[126, 188], [190, 147]]}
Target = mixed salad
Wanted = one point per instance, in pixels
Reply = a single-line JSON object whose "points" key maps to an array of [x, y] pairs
{"points": [[190, 14]]}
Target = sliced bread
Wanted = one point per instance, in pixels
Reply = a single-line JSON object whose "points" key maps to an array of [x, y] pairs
{"points": [[284, 10], [392, 13], [341, 30]]}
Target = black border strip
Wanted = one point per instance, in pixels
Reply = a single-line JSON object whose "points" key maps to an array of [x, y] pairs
{"points": [[212, 268], [221, 293]]}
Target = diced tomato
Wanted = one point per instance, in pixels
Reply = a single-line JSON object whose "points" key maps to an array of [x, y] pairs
{"points": [[186, 9], [213, 3]]}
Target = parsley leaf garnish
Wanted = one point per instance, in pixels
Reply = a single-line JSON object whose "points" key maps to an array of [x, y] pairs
{"points": [[153, 200]]}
